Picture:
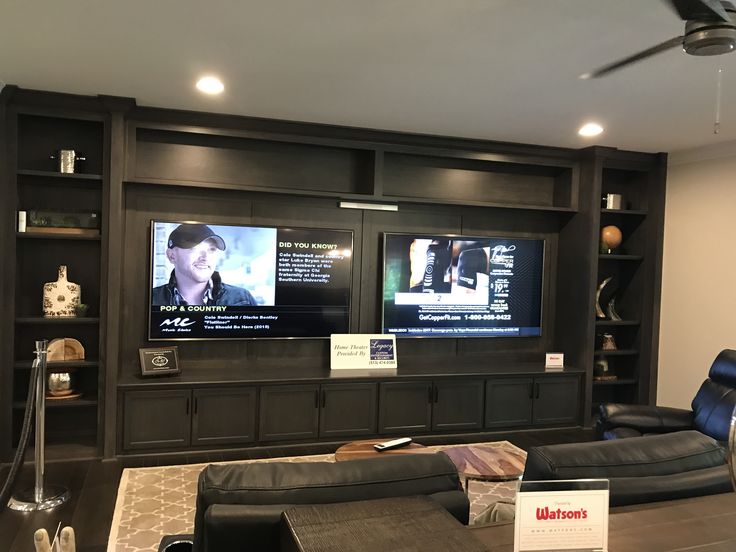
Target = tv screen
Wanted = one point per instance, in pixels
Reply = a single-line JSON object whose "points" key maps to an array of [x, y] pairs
{"points": [[462, 286], [239, 282]]}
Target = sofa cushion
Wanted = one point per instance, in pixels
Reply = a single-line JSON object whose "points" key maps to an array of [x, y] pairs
{"points": [[237, 498], [670, 453], [320, 482], [713, 406], [642, 418]]}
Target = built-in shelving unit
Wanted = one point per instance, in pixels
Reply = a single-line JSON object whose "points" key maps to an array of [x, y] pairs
{"points": [[635, 267], [145, 164], [34, 184]]}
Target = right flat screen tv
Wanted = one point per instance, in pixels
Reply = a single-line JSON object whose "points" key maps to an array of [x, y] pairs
{"points": [[462, 286]]}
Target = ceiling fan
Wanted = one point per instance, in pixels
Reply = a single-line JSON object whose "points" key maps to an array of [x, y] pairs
{"points": [[710, 30]]}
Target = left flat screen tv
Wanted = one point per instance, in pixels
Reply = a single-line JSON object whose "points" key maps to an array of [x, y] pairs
{"points": [[211, 281]]}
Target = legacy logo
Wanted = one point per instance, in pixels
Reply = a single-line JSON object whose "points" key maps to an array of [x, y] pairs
{"points": [[381, 349], [177, 322]]}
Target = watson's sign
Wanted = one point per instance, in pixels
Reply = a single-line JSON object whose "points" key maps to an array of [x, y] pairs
{"points": [[362, 351], [562, 515]]}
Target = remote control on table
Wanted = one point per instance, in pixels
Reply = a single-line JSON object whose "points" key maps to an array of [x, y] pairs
{"points": [[396, 443]]}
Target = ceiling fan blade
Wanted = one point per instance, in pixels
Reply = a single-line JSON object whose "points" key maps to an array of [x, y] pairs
{"points": [[701, 10], [671, 43]]}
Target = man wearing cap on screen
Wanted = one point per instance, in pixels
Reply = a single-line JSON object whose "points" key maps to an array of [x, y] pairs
{"points": [[194, 250]]}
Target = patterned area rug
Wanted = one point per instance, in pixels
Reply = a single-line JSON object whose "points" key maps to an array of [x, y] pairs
{"points": [[153, 502]]}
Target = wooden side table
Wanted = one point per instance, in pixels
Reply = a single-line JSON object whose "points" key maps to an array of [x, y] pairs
{"points": [[400, 524], [364, 449], [486, 463]]}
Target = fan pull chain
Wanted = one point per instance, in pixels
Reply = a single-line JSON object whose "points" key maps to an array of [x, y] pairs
{"points": [[719, 81]]}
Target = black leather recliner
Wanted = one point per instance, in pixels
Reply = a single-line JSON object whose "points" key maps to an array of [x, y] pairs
{"points": [[239, 506], [711, 409]]}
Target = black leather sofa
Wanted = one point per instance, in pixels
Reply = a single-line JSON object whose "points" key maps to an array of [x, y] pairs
{"points": [[239, 506], [660, 467], [711, 409]]}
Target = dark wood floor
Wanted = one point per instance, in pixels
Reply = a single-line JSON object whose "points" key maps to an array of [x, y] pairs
{"points": [[94, 485]]}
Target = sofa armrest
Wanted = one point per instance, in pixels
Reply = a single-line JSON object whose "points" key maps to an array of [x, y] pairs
{"points": [[643, 418], [232, 526]]}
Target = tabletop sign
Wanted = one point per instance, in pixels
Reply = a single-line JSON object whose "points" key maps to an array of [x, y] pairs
{"points": [[361, 351], [554, 362], [562, 516], [159, 361]]}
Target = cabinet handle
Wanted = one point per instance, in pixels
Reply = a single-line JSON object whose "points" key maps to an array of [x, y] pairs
{"points": [[324, 398], [187, 408], [536, 395], [429, 394], [531, 390], [196, 404], [436, 394]]}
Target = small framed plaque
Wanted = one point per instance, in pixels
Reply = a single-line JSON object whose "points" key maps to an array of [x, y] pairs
{"points": [[159, 361]]}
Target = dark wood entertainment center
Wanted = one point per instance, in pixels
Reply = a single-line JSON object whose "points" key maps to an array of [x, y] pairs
{"points": [[145, 163]]}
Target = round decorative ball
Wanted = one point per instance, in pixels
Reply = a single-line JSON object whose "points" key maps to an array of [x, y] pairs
{"points": [[611, 236]]}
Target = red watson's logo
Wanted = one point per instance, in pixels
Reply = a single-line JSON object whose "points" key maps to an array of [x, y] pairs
{"points": [[545, 513]]}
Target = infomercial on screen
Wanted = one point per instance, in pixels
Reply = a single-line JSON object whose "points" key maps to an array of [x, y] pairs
{"points": [[461, 286], [239, 282]]}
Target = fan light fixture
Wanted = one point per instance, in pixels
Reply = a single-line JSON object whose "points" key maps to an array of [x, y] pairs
{"points": [[590, 129], [210, 85]]}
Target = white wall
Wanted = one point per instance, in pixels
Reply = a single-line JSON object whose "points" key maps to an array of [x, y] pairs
{"points": [[698, 312]]}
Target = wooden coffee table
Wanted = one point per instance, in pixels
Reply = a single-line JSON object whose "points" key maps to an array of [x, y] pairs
{"points": [[364, 449], [486, 463]]}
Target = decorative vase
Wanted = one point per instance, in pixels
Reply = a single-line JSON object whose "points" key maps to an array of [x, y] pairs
{"points": [[608, 343], [60, 297], [60, 384], [601, 370], [598, 310]]}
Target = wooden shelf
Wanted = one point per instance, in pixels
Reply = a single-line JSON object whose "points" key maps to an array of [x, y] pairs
{"points": [[617, 352], [20, 405], [619, 381], [634, 212], [355, 197], [516, 206], [616, 257], [54, 236], [42, 320], [62, 452], [26, 364], [64, 176], [617, 322]]}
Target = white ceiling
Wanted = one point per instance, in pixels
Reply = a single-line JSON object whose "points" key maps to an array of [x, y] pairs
{"points": [[494, 69]]}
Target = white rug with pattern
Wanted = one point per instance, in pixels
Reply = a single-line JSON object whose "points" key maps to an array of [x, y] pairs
{"points": [[153, 502]]}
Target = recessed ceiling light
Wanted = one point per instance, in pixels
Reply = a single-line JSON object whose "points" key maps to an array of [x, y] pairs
{"points": [[590, 129], [210, 85]]}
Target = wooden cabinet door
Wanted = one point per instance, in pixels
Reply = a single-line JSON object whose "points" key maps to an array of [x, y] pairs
{"points": [[224, 415], [457, 405], [288, 412], [508, 402], [156, 419], [405, 407], [556, 400], [347, 409]]}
